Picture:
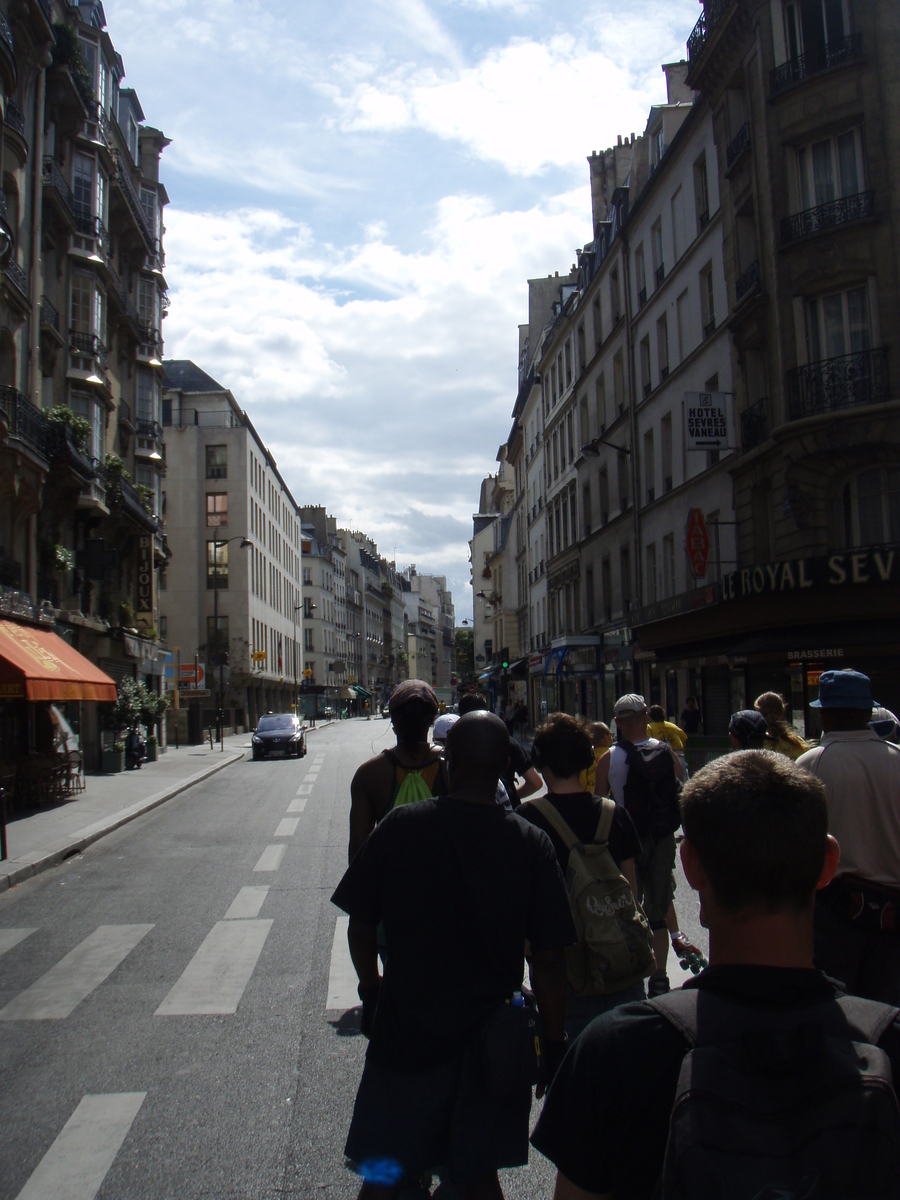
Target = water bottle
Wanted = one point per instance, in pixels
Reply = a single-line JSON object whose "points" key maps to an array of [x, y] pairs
{"points": [[518, 1000]]}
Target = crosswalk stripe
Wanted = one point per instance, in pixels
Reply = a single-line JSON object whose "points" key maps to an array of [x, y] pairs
{"points": [[287, 827], [74, 977], [270, 859], [215, 978], [77, 1163], [297, 804], [342, 980], [247, 903], [12, 937], [305, 789]]}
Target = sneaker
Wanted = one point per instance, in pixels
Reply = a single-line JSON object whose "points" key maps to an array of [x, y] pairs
{"points": [[657, 985]]}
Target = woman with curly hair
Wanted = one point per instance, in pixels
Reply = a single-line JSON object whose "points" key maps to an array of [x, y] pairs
{"points": [[781, 737]]}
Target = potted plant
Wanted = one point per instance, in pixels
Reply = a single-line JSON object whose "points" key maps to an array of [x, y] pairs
{"points": [[152, 748], [126, 614], [113, 760]]}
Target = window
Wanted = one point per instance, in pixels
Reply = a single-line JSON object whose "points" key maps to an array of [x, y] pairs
{"points": [[217, 642], [659, 268], [308, 639], [623, 481], [669, 564], [132, 137], [701, 193], [662, 346], [606, 582], [586, 505], [649, 467], [83, 187], [148, 204], [163, 581], [683, 317], [216, 565], [601, 405], [665, 440], [216, 509], [650, 581], [147, 477], [82, 300], [216, 462], [837, 324], [84, 405], [569, 437], [646, 385], [604, 496], [582, 349], [598, 324], [640, 275], [707, 301], [147, 389], [625, 575], [163, 621], [619, 383], [589, 596], [614, 296], [90, 55], [307, 577], [831, 169], [869, 508], [678, 224], [585, 421], [147, 302]]}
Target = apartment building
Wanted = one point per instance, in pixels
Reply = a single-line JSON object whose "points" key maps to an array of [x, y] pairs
{"points": [[232, 594], [324, 612], [82, 297], [430, 624], [376, 615]]}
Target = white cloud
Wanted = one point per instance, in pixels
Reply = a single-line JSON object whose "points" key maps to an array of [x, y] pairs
{"points": [[527, 105]]}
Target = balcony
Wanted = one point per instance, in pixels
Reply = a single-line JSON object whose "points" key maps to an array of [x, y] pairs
{"points": [[88, 345], [736, 147], [747, 281], [93, 235], [834, 54], [849, 381], [58, 191], [15, 120], [753, 426], [709, 19], [122, 178], [123, 497], [827, 216], [49, 315], [14, 276], [149, 429], [25, 422], [65, 450], [119, 294]]}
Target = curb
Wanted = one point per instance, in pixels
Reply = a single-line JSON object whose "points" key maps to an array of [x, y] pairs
{"points": [[42, 860]]}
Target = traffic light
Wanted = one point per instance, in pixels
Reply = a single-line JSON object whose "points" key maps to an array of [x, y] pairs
{"points": [[504, 658]]}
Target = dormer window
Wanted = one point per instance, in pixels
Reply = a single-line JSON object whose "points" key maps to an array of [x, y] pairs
{"points": [[133, 140]]}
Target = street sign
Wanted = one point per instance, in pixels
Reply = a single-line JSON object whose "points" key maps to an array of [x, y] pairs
{"points": [[308, 673], [696, 543], [189, 679], [259, 656], [708, 421]]}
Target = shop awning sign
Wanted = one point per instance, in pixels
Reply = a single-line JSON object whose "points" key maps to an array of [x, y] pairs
{"points": [[696, 543], [708, 421]]}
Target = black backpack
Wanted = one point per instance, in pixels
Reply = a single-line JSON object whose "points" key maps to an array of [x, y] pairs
{"points": [[651, 789], [781, 1105]]}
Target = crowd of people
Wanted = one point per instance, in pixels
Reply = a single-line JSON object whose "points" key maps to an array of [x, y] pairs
{"points": [[510, 945]]}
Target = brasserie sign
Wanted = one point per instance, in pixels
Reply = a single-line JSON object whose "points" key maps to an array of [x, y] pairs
{"points": [[851, 568]]}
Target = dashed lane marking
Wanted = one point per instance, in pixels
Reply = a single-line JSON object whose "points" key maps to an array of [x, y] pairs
{"points": [[270, 859], [78, 1161], [247, 903], [214, 980], [297, 804], [305, 789], [287, 827], [342, 981], [74, 977]]}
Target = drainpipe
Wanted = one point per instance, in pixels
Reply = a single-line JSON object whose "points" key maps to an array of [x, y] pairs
{"points": [[34, 382]]}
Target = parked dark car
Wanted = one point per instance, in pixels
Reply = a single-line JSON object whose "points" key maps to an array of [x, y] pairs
{"points": [[279, 733]]}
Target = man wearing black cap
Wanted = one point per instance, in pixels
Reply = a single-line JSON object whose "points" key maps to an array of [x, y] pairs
{"points": [[747, 730], [858, 915]]}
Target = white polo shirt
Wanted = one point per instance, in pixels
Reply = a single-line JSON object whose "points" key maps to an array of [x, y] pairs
{"points": [[861, 774]]}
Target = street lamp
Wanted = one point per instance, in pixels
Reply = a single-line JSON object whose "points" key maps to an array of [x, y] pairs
{"points": [[217, 542], [592, 449], [296, 690]]}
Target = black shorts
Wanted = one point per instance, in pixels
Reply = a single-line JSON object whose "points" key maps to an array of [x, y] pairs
{"points": [[441, 1119]]}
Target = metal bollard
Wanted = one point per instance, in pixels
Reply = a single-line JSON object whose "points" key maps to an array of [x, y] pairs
{"points": [[209, 731]]}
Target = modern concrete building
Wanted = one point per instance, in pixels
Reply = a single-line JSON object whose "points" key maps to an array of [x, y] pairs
{"points": [[232, 592]]}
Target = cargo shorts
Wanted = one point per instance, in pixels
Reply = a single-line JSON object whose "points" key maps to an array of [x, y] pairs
{"points": [[655, 870]]}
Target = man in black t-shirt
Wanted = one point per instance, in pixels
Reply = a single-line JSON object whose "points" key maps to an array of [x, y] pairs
{"points": [[756, 848], [519, 760], [461, 884]]}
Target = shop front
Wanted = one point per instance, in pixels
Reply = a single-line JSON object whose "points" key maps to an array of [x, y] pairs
{"points": [[48, 698], [776, 627], [538, 706]]}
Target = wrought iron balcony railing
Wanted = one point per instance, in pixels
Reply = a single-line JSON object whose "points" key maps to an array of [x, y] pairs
{"points": [[834, 54], [747, 281], [709, 19], [54, 178], [207, 420], [149, 429], [849, 381], [25, 422], [827, 216], [17, 277], [49, 315], [124, 412], [87, 343], [132, 200], [753, 425], [737, 146], [15, 119]]}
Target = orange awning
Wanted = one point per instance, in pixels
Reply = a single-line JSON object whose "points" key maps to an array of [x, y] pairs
{"points": [[36, 664]]}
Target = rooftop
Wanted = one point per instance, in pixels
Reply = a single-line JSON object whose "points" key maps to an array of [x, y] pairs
{"points": [[182, 375]]}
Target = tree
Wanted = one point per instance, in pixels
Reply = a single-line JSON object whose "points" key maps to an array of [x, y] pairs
{"points": [[465, 656]]}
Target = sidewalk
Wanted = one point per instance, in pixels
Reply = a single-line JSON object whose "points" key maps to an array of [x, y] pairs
{"points": [[45, 838]]}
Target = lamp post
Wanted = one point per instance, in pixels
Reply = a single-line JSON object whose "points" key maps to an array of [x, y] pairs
{"points": [[296, 688], [217, 542]]}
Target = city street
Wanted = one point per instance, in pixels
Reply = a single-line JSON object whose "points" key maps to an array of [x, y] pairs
{"points": [[175, 1002]]}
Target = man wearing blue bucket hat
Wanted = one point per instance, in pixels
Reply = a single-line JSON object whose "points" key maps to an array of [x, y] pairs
{"points": [[858, 914]]}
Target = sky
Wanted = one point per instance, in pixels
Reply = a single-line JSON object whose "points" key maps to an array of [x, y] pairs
{"points": [[359, 192]]}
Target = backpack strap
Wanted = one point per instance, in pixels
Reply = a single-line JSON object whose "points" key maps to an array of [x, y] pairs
{"points": [[849, 1017], [607, 813], [551, 813]]}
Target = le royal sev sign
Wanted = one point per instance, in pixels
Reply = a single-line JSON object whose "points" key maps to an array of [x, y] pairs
{"points": [[708, 421], [850, 568]]}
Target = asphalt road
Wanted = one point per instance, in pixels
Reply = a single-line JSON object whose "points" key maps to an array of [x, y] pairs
{"points": [[176, 1011]]}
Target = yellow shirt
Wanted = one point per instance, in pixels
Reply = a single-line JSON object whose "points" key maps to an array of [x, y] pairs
{"points": [[785, 746], [665, 731], [588, 777]]}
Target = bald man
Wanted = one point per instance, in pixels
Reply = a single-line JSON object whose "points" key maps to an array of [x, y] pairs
{"points": [[461, 884]]}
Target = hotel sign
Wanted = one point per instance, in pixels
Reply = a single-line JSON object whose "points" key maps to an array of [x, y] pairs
{"points": [[852, 568], [708, 421]]}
